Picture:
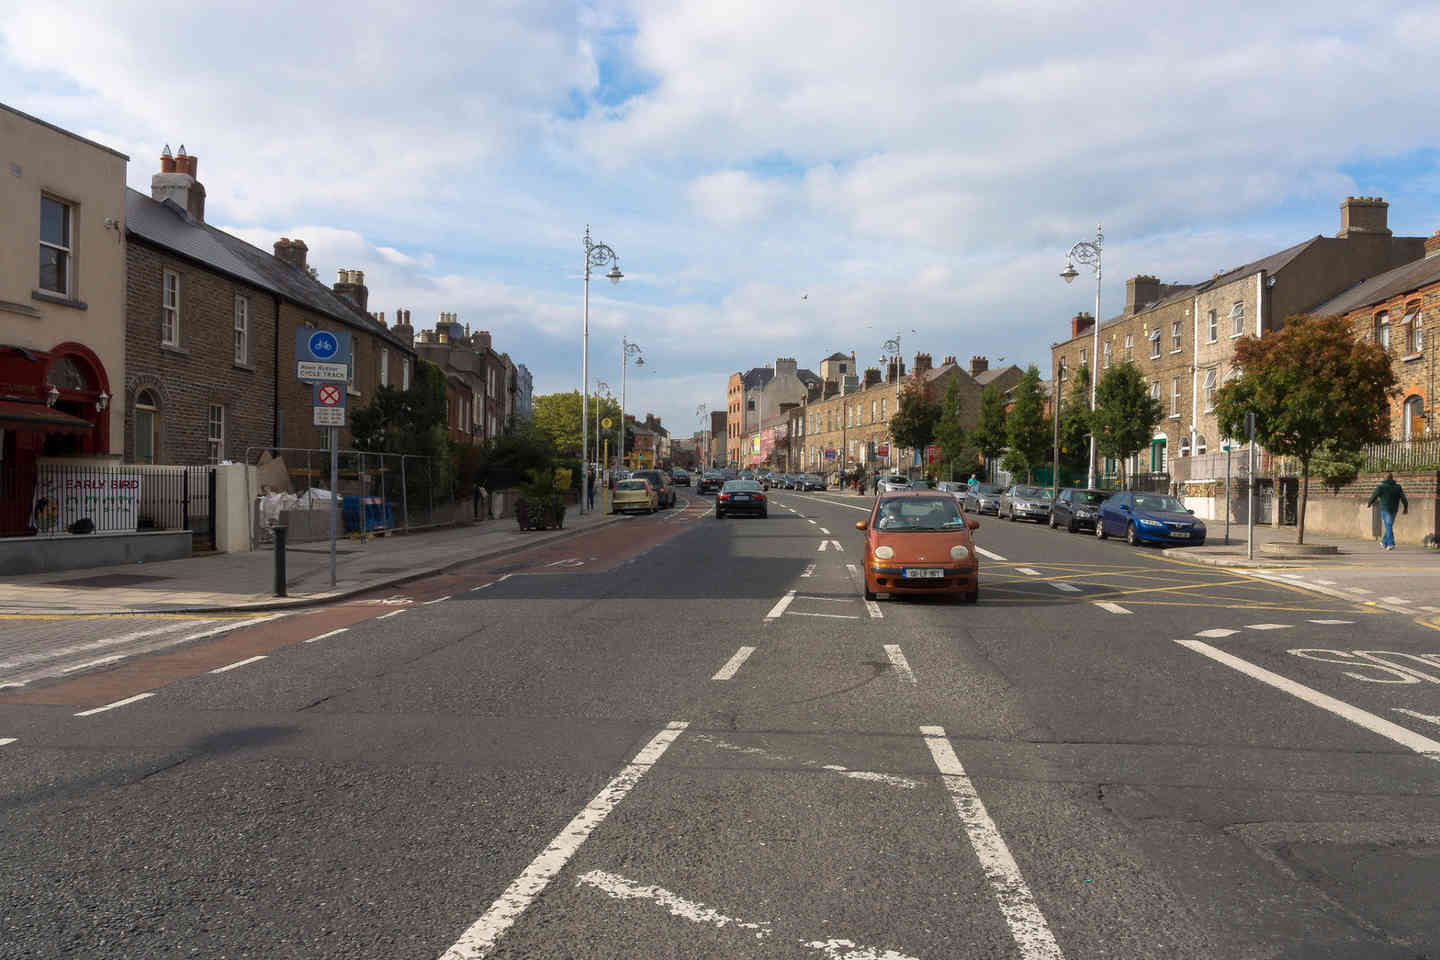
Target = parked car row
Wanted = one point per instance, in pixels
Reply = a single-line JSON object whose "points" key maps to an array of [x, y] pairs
{"points": [[1137, 516]]}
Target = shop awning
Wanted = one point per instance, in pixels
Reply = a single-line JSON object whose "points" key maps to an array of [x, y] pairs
{"points": [[15, 415]]}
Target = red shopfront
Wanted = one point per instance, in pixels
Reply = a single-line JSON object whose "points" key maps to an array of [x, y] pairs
{"points": [[52, 404]]}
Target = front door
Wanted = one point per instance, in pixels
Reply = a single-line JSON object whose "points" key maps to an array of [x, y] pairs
{"points": [[1157, 456]]}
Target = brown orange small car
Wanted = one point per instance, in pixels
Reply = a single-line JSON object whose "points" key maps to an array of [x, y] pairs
{"points": [[919, 542]]}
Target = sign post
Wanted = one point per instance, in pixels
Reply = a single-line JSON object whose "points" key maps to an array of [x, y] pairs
{"points": [[322, 358], [1250, 487], [1227, 494]]}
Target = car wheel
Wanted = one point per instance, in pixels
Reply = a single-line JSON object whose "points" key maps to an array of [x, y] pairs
{"points": [[719, 515], [1071, 527], [1131, 537], [1099, 529], [870, 594], [973, 596], [1198, 543], [764, 514]]}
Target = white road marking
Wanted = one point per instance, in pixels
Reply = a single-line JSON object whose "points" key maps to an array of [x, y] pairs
{"points": [[828, 616], [1064, 587], [1326, 583], [824, 531], [118, 703], [55, 654], [326, 636], [621, 888], [873, 608], [1028, 571], [238, 663], [898, 661], [894, 781], [778, 611], [827, 599], [733, 664], [480, 938], [1268, 626], [1358, 590], [1110, 607], [1431, 609], [1331, 623], [387, 616], [437, 600], [1406, 738], [809, 571], [836, 545], [505, 577], [988, 555], [1400, 600], [1433, 718], [823, 545], [1027, 924], [1217, 632], [482, 586], [94, 663], [809, 521], [6, 741]]}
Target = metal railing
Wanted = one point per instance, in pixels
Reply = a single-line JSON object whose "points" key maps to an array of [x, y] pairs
{"points": [[55, 498], [1402, 455]]}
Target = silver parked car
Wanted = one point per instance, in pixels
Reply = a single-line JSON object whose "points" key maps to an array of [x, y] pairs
{"points": [[984, 498], [1024, 502], [892, 484]]}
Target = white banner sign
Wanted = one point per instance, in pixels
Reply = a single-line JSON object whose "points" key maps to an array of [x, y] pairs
{"points": [[75, 500], [329, 416]]}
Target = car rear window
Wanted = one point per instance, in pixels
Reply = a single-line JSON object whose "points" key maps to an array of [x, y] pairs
{"points": [[630, 485]]}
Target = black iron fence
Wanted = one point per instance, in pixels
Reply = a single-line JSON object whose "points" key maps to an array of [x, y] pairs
{"points": [[51, 498]]}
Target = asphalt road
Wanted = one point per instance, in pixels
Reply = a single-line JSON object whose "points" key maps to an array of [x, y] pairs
{"points": [[689, 737]]}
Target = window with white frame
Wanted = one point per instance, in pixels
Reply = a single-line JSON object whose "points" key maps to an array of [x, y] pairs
{"points": [[242, 329], [405, 373], [490, 385], [849, 417], [1084, 356], [1129, 346], [1155, 389], [384, 366], [170, 308], [1410, 323], [1175, 336], [1200, 444], [55, 227], [882, 408], [1184, 446], [216, 426], [1237, 318], [1174, 396], [1155, 344], [1106, 353], [1214, 326], [1382, 330], [1062, 368], [872, 411], [1412, 417], [1212, 377]]}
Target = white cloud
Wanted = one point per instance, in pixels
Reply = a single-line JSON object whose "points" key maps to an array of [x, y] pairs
{"points": [[733, 197]]}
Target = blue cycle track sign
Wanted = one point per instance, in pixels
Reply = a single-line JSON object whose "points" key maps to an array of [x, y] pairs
{"points": [[322, 356]]}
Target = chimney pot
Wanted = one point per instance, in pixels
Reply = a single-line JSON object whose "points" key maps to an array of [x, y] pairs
{"points": [[1432, 245]]}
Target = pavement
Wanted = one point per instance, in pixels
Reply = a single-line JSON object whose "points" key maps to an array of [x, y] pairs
{"points": [[245, 581], [684, 737]]}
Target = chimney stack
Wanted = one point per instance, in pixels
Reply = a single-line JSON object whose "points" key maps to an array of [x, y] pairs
{"points": [[351, 286], [949, 362], [872, 376], [1140, 291], [176, 181], [978, 365], [1362, 216], [923, 363], [1081, 323], [1432, 245], [291, 251]]}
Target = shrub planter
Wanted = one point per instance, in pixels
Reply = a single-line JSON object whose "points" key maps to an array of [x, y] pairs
{"points": [[533, 514]]}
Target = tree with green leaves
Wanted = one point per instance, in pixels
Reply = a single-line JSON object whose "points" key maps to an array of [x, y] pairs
{"points": [[1075, 424], [1029, 431], [952, 435], [558, 416], [913, 425], [1309, 383], [991, 435], [409, 421], [1125, 414]]}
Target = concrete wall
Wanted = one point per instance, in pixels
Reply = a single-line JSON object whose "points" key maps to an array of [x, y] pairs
{"points": [[233, 515], [20, 555], [1344, 513]]}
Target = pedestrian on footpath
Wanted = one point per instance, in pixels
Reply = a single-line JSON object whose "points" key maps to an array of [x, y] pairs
{"points": [[973, 483], [590, 489], [1390, 495]]}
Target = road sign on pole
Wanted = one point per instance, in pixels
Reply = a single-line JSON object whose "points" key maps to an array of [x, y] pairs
{"points": [[328, 400], [322, 355]]}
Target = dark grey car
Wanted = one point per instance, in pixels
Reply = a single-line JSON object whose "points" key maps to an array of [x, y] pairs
{"points": [[1077, 508]]}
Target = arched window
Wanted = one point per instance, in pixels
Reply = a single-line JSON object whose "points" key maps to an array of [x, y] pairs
{"points": [[66, 374], [1414, 333], [1184, 446], [147, 427], [1412, 416], [1200, 446]]}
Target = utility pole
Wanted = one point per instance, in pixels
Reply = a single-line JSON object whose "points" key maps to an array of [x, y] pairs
{"points": [[1055, 415]]}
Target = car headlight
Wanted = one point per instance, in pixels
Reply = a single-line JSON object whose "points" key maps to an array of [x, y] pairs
{"points": [[883, 553], [959, 552], [1199, 527], [1146, 522]]}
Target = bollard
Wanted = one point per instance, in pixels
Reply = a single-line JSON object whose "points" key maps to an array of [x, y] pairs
{"points": [[282, 534]]}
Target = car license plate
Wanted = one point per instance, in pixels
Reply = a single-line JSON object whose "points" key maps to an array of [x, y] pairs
{"points": [[1180, 534], [742, 496], [923, 573]]}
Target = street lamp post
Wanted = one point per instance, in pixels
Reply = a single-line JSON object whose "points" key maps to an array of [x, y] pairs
{"points": [[596, 255], [627, 350], [1088, 252], [890, 348], [700, 459], [602, 389]]}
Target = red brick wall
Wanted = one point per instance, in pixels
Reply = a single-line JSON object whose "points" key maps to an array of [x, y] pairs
{"points": [[202, 371], [1415, 375]]}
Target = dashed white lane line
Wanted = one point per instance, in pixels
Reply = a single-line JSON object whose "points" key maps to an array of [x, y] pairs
{"points": [[733, 664], [482, 586], [480, 938], [326, 636], [621, 888], [823, 545], [1359, 590], [778, 611], [94, 663], [6, 741], [826, 599], [239, 663], [118, 703], [1027, 924], [891, 779], [1028, 571], [827, 616], [1431, 609], [1217, 632], [1326, 583], [809, 571], [809, 521], [1064, 587], [387, 616], [873, 608], [56, 654], [437, 600], [1109, 607], [1379, 725], [898, 661], [824, 531], [836, 545], [1331, 623], [1267, 626], [988, 555]]}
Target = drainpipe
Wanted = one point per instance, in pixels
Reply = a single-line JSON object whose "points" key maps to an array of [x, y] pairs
{"points": [[275, 384], [1194, 370]]}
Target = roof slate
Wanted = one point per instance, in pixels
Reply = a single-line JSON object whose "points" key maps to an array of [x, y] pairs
{"points": [[1383, 286]]}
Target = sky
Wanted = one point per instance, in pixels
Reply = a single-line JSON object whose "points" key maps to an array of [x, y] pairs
{"points": [[778, 179]]}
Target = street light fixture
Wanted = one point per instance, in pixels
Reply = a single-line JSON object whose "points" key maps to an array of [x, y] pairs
{"points": [[596, 255], [1088, 252], [627, 350]]}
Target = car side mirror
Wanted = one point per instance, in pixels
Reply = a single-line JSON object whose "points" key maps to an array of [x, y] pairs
{"points": [[1125, 507], [972, 525], [861, 525]]}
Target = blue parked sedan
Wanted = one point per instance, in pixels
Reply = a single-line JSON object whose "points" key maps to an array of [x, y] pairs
{"points": [[1149, 518]]}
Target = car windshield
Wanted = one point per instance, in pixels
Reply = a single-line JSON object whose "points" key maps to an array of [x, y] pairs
{"points": [[1088, 497], [989, 489], [921, 485], [1158, 503], [652, 475], [630, 485], [812, 477], [919, 513], [741, 486], [1032, 493]]}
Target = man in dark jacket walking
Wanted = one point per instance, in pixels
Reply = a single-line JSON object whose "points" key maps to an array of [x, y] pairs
{"points": [[1390, 495]]}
